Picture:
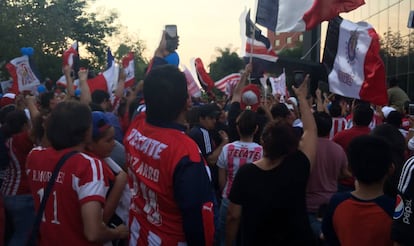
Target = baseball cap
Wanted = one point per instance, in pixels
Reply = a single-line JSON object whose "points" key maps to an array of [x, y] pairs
{"points": [[7, 99], [209, 110], [100, 123], [250, 97], [386, 110]]}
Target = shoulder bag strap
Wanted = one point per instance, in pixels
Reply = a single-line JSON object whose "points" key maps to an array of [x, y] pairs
{"points": [[49, 186]]}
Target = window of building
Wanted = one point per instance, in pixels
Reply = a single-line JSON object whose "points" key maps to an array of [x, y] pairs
{"points": [[277, 43], [301, 37], [289, 40]]}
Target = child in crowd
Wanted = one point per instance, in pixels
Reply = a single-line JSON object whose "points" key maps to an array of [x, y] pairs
{"points": [[73, 212], [101, 146], [363, 216]]}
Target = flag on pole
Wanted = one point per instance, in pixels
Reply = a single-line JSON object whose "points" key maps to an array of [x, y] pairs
{"points": [[257, 45], [203, 77], [71, 56], [300, 15], [129, 69], [192, 86], [228, 83], [278, 85], [352, 59], [106, 80], [110, 60], [23, 77]]}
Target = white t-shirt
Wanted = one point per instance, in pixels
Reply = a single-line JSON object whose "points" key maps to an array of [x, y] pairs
{"points": [[233, 156]]}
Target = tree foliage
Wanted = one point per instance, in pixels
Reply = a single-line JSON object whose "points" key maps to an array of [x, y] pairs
{"points": [[50, 26], [228, 62], [397, 52], [295, 52]]}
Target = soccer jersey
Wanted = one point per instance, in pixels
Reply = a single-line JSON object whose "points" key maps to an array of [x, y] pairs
{"points": [[233, 156], [172, 192], [403, 225], [338, 125], [15, 182], [352, 221], [80, 180]]}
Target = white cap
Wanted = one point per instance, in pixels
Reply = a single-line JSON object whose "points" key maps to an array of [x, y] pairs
{"points": [[386, 110]]}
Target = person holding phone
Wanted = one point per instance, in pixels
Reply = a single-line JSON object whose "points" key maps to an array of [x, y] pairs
{"points": [[166, 50]]}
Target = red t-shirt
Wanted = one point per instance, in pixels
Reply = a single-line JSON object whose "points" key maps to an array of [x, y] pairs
{"points": [[15, 182], [80, 180]]}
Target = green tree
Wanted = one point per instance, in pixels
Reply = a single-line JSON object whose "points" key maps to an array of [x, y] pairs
{"points": [[397, 52], [50, 27], [293, 52], [226, 63], [130, 44]]}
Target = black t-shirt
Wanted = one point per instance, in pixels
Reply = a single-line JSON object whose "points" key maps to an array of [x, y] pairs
{"points": [[273, 203]]}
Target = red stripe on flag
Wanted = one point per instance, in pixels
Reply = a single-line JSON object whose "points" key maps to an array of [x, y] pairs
{"points": [[374, 87]]}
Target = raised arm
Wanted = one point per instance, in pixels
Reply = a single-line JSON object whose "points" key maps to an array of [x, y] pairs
{"points": [[69, 81], [119, 91], [242, 83], [308, 143], [85, 96]]}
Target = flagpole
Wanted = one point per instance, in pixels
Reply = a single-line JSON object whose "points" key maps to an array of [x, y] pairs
{"points": [[251, 49]]}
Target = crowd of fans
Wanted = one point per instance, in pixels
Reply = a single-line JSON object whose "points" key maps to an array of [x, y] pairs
{"points": [[147, 166]]}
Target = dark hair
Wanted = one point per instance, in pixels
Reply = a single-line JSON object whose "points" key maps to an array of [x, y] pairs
{"points": [[278, 139], [397, 142], [14, 122], [99, 96], [192, 117], [246, 123], [335, 109], [394, 118], [45, 100], [165, 93], [68, 124], [362, 114], [369, 158], [323, 122], [4, 111], [279, 110]]}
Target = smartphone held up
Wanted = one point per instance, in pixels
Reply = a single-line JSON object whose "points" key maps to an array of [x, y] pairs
{"points": [[172, 37]]}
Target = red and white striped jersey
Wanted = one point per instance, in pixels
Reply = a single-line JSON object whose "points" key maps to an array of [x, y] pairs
{"points": [[338, 124], [80, 180], [233, 156], [15, 179]]}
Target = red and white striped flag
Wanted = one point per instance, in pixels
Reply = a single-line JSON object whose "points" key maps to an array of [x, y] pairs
{"points": [[70, 55], [129, 69], [192, 86], [104, 81], [228, 83]]}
